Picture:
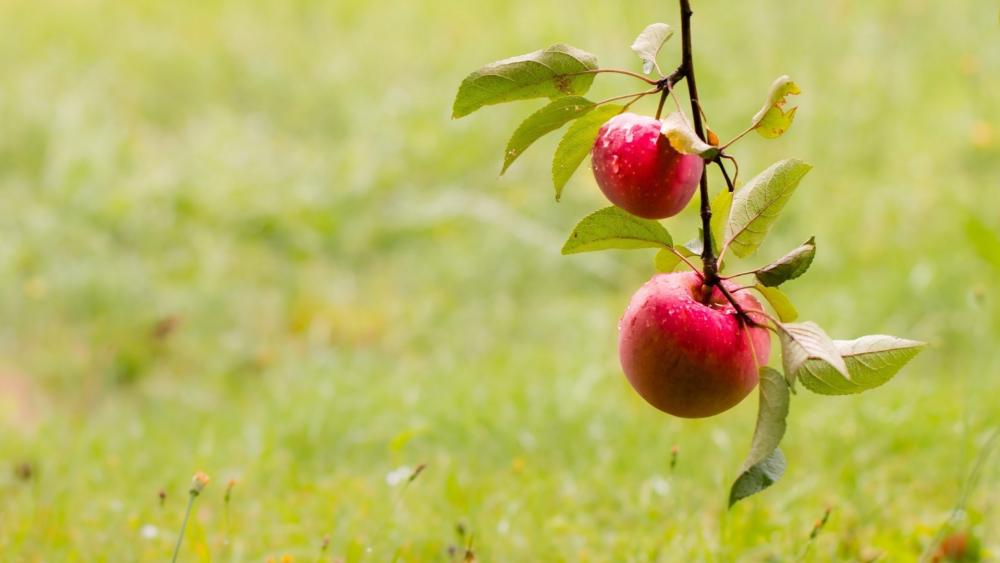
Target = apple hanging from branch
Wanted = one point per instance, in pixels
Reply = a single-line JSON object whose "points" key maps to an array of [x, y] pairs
{"points": [[688, 355], [638, 170], [692, 343]]}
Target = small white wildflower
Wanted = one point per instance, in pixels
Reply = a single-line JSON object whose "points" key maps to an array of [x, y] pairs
{"points": [[398, 475], [149, 532], [721, 439], [660, 485]]}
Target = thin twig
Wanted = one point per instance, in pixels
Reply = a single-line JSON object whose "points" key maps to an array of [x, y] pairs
{"points": [[777, 323], [635, 95], [736, 165], [725, 174], [663, 98], [686, 261], [738, 137], [667, 86], [739, 275], [732, 301], [645, 79]]}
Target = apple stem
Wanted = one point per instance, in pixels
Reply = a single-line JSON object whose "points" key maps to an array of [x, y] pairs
{"points": [[666, 87], [710, 263], [663, 98], [725, 174]]}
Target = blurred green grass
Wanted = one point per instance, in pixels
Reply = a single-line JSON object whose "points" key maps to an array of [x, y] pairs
{"points": [[343, 286]]}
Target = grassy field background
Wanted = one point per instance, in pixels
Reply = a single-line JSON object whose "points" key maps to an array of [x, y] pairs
{"points": [[246, 238]]}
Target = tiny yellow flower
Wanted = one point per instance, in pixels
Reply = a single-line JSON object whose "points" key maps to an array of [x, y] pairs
{"points": [[517, 464], [981, 135]]}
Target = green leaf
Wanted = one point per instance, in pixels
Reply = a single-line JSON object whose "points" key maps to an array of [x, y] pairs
{"points": [[789, 266], [759, 477], [665, 261], [557, 113], [984, 241], [870, 360], [613, 227], [757, 205], [683, 138], [763, 466], [780, 302], [648, 44], [695, 246], [772, 120], [806, 349], [577, 143], [720, 205], [548, 73]]}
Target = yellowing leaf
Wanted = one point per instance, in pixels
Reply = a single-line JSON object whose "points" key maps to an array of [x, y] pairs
{"points": [[683, 138], [780, 302], [772, 120]]}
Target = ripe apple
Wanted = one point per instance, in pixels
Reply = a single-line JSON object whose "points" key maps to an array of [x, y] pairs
{"points": [[686, 355], [639, 171]]}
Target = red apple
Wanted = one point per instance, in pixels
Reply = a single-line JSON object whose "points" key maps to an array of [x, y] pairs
{"points": [[688, 356], [639, 171]]}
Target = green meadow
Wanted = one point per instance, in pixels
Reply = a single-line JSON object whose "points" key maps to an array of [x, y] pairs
{"points": [[246, 238]]}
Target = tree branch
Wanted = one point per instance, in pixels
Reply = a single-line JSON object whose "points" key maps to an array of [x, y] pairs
{"points": [[710, 263]]}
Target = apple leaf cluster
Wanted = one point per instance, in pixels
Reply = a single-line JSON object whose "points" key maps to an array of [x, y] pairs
{"points": [[740, 221]]}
